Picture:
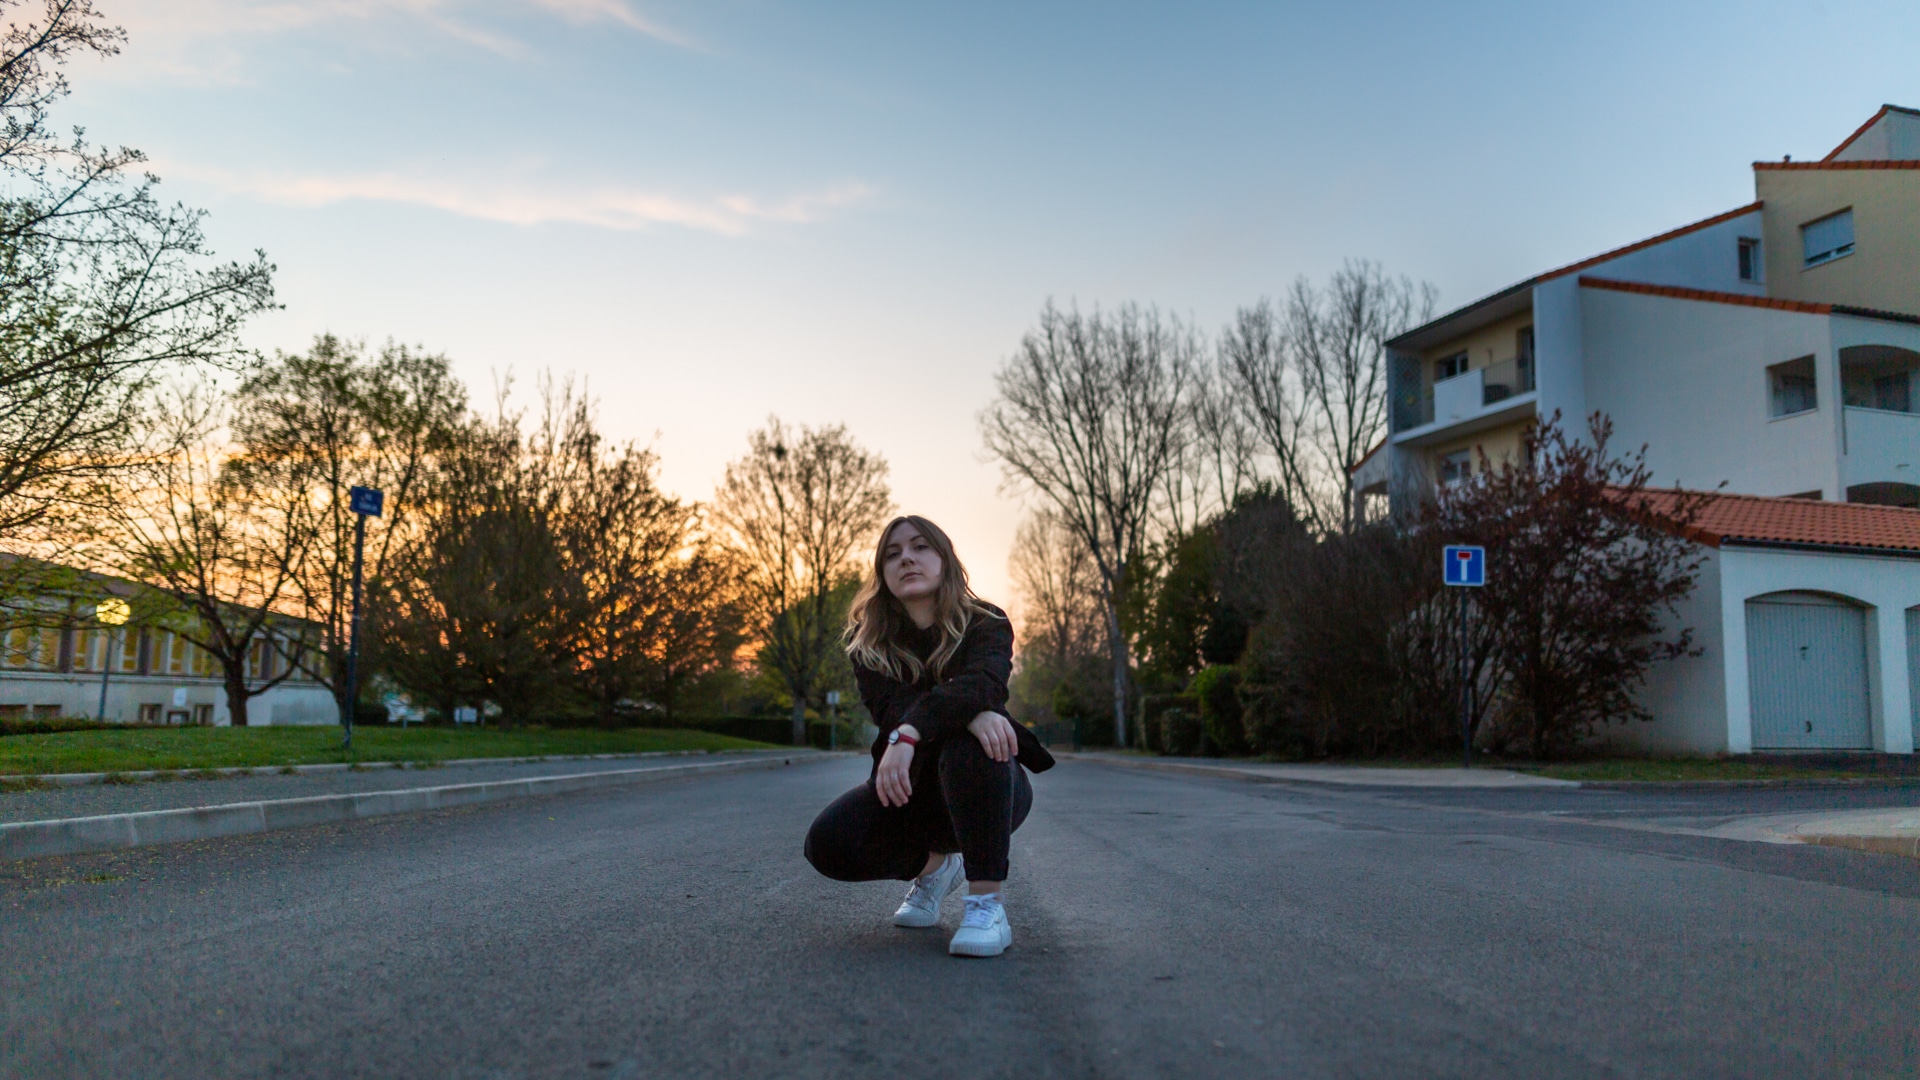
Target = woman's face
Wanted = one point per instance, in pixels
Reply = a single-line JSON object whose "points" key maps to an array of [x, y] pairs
{"points": [[909, 564]]}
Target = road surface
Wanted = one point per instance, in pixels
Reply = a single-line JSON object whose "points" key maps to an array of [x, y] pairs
{"points": [[1166, 925]]}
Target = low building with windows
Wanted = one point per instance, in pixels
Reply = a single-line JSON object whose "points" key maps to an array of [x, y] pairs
{"points": [[56, 655], [1770, 351]]}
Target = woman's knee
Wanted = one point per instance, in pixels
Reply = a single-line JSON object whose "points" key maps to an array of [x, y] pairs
{"points": [[837, 839]]}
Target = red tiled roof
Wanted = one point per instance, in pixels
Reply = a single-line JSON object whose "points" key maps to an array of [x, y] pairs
{"points": [[1773, 165], [1680, 293], [1756, 519], [1862, 129], [1804, 307]]}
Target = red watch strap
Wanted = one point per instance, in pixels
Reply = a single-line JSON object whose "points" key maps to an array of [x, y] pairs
{"points": [[902, 737]]}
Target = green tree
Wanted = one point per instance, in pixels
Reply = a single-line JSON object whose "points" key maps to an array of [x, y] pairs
{"points": [[103, 289]]}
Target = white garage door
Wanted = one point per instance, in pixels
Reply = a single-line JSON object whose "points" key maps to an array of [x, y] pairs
{"points": [[1913, 663], [1807, 671]]}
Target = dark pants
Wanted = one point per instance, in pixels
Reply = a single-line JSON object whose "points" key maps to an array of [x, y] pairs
{"points": [[962, 801]]}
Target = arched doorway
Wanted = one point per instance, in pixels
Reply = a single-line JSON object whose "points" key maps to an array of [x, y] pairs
{"points": [[1807, 672]]}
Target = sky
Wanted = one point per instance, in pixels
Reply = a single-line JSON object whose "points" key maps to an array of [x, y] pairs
{"points": [[839, 212]]}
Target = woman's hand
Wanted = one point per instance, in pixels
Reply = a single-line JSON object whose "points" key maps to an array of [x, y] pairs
{"points": [[891, 780], [995, 733]]}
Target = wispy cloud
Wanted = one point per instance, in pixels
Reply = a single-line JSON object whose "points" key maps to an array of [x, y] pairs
{"points": [[608, 207], [203, 39]]}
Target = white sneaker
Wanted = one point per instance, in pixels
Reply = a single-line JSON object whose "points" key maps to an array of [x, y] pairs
{"points": [[984, 932], [922, 905]]}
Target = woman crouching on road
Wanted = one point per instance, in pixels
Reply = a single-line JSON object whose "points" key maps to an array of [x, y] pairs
{"points": [[947, 788]]}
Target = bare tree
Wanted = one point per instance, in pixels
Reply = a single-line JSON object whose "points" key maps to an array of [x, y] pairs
{"points": [[1059, 590], [1312, 377], [101, 287], [1091, 417], [1221, 458], [800, 508], [222, 539], [1339, 340]]}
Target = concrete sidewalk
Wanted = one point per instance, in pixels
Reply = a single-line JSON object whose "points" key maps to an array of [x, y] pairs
{"points": [[1331, 775], [188, 814]]}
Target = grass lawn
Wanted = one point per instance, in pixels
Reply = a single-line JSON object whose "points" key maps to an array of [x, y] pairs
{"points": [[131, 749]]}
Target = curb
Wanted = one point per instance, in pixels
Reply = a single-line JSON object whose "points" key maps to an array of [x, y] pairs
{"points": [[1231, 773], [1736, 785], [112, 832], [82, 779]]}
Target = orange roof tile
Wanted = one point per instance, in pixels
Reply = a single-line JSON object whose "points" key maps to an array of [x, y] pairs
{"points": [[1804, 307], [1759, 520], [1771, 165]]}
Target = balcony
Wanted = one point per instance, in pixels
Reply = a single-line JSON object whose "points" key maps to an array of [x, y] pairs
{"points": [[1478, 394]]}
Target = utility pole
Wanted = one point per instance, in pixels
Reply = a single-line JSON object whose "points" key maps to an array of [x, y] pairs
{"points": [[365, 502]]}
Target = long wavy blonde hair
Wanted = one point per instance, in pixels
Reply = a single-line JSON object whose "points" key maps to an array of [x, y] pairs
{"points": [[878, 621]]}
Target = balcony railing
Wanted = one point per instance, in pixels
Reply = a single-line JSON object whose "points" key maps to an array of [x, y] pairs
{"points": [[1417, 403], [1508, 378]]}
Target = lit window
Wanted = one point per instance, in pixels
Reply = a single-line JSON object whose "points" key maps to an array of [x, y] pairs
{"points": [[1750, 265], [1829, 238], [1791, 387]]}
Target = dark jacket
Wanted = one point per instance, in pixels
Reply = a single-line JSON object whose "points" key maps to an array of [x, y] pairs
{"points": [[974, 681]]}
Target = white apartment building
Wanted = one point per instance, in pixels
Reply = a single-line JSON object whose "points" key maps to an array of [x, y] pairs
{"points": [[1773, 348]]}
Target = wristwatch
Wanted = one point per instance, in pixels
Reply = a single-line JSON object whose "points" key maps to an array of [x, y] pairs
{"points": [[894, 736]]}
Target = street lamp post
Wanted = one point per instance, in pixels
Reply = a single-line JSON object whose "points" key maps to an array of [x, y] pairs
{"points": [[365, 502], [111, 612]]}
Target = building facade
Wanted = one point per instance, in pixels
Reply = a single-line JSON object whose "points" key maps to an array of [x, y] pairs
{"points": [[1770, 351], [56, 656]]}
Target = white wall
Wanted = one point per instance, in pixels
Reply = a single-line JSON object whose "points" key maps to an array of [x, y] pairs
{"points": [[1888, 586], [1705, 259], [79, 695], [1688, 696], [1689, 379]]}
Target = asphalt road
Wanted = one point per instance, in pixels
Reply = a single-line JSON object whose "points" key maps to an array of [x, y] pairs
{"points": [[1165, 926]]}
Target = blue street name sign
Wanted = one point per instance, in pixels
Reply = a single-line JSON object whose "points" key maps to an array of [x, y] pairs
{"points": [[1465, 565], [366, 500]]}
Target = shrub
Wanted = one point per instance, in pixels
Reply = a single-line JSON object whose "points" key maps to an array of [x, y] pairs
{"points": [[1177, 731], [1586, 564], [1218, 691]]}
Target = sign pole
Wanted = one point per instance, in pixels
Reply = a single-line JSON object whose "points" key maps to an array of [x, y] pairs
{"points": [[1464, 566], [365, 503], [1466, 691]]}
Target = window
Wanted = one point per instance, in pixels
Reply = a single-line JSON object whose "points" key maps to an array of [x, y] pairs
{"points": [[150, 713], [1456, 466], [1523, 354], [1450, 366], [1791, 387], [1827, 239], [1750, 265]]}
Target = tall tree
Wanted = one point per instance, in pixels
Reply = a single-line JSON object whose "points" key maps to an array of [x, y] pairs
{"points": [[220, 537], [800, 508], [338, 418], [1091, 416], [102, 288], [471, 601], [1311, 375]]}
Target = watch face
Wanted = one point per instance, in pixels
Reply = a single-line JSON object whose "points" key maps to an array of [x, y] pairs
{"points": [[893, 736]]}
